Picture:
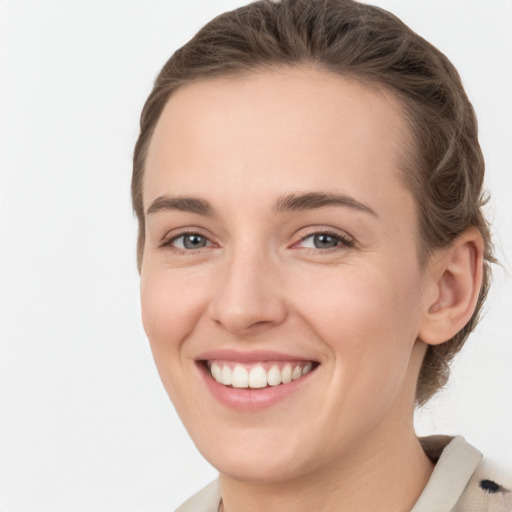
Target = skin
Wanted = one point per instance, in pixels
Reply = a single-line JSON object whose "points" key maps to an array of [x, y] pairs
{"points": [[364, 310]]}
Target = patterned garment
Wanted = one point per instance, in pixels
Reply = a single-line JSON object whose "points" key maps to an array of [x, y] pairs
{"points": [[462, 481]]}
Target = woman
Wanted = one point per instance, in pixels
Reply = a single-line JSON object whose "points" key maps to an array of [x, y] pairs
{"points": [[313, 253]]}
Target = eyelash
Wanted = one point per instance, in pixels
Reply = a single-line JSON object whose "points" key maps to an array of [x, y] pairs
{"points": [[344, 242], [167, 242]]}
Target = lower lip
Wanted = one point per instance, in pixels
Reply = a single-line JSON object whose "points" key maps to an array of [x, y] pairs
{"points": [[247, 399]]}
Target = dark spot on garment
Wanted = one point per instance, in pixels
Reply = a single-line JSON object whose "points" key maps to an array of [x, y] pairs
{"points": [[492, 487]]}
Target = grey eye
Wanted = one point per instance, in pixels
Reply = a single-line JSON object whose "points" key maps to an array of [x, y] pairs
{"points": [[191, 241], [324, 241]]}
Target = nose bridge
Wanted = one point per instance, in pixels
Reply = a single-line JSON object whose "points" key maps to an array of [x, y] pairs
{"points": [[247, 295]]}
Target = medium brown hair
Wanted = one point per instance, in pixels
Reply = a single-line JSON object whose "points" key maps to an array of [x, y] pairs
{"points": [[445, 166]]}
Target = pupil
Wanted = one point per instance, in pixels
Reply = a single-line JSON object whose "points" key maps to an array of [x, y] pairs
{"points": [[193, 241], [325, 241]]}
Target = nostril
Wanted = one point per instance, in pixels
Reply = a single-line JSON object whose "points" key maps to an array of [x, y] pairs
{"points": [[245, 301]]}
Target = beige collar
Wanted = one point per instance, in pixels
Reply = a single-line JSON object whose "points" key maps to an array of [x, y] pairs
{"points": [[456, 461]]}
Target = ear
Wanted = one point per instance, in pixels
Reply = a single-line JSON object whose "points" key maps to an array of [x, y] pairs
{"points": [[454, 280]]}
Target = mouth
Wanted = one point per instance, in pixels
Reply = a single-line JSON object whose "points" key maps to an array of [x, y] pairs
{"points": [[249, 381], [258, 375]]}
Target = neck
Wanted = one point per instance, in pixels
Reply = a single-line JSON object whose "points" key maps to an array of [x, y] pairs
{"points": [[383, 476]]}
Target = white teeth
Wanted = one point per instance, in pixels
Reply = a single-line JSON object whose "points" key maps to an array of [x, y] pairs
{"points": [[216, 372], [274, 376], [240, 377], [286, 374], [227, 375], [257, 377]]}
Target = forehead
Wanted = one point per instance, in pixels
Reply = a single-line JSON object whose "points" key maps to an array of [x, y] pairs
{"points": [[295, 127]]}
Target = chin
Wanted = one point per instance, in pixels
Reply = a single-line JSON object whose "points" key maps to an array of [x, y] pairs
{"points": [[251, 457], [264, 469]]}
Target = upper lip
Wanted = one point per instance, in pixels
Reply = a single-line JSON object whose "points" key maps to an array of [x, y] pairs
{"points": [[247, 356]]}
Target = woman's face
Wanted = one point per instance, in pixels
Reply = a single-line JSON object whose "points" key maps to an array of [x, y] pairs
{"points": [[281, 245]]}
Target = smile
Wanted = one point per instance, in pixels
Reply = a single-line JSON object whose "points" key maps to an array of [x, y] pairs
{"points": [[259, 375], [250, 381]]}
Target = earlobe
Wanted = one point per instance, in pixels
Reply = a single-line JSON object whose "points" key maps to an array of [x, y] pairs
{"points": [[455, 282]]}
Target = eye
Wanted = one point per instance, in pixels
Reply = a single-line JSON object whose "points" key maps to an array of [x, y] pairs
{"points": [[325, 240], [189, 241]]}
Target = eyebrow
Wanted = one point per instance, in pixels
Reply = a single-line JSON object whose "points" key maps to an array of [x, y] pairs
{"points": [[182, 204], [285, 203], [314, 200]]}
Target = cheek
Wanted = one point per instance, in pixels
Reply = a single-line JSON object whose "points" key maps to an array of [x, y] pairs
{"points": [[171, 306], [368, 319], [354, 301]]}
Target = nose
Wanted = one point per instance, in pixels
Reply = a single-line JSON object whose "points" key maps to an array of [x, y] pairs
{"points": [[248, 298]]}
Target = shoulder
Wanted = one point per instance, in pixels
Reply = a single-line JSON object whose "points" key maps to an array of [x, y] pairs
{"points": [[489, 490], [463, 480], [206, 500]]}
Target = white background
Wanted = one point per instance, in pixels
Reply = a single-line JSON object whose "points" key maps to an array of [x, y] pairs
{"points": [[85, 424]]}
